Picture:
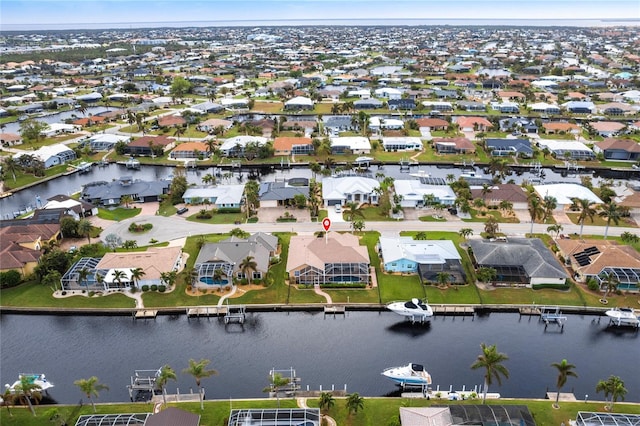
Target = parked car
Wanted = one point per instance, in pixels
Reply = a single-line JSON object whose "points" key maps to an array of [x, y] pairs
{"points": [[182, 210], [338, 208]]}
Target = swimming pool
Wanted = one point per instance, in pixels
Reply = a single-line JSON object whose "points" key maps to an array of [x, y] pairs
{"points": [[211, 281]]}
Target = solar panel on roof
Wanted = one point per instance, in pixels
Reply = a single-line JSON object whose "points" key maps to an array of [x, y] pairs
{"points": [[591, 250]]}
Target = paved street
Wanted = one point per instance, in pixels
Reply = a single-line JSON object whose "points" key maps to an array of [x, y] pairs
{"points": [[171, 228]]}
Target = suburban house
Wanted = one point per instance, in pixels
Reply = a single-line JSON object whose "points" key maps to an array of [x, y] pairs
{"points": [[298, 103], [426, 257], [544, 108], [618, 149], [171, 121], [208, 107], [334, 258], [70, 206], [457, 145], [472, 106], [379, 123], [274, 194], [219, 196], [10, 139], [190, 150], [402, 143], [580, 107], [213, 123], [596, 259], [564, 193], [110, 193], [228, 255], [350, 145], [470, 124], [343, 190], [505, 107], [560, 127], [146, 144], [568, 150], [401, 104], [520, 260], [388, 93], [51, 155], [438, 106], [336, 124], [20, 244], [432, 123], [292, 146], [607, 128], [413, 192], [235, 147], [115, 270], [507, 147], [370, 103], [106, 141], [495, 194]]}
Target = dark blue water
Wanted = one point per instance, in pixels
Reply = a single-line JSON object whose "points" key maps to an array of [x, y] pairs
{"points": [[350, 350]]}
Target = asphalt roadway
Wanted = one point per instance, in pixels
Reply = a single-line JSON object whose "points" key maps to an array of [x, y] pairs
{"points": [[171, 228]]}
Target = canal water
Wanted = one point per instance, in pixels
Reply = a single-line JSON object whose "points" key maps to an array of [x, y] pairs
{"points": [[37, 195], [349, 350]]}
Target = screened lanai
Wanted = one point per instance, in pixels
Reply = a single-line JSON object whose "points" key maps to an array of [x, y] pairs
{"points": [[113, 419], [627, 278], [275, 417], [586, 418], [207, 272], [71, 279]]}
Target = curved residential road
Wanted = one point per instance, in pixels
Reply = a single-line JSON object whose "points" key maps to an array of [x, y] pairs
{"points": [[171, 228]]}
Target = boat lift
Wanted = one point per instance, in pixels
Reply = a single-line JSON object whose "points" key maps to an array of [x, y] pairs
{"points": [[143, 382], [552, 315], [290, 388]]}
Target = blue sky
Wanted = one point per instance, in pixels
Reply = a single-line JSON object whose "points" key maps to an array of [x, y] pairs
{"points": [[110, 11]]}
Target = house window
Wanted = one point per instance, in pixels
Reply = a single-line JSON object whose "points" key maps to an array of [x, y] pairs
{"points": [[257, 275], [240, 275], [296, 274]]}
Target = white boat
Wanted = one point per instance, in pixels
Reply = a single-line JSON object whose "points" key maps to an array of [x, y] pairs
{"points": [[363, 160], [623, 316], [409, 375], [415, 309], [37, 379], [420, 174]]}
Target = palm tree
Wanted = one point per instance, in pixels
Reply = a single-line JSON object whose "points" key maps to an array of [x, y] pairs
{"points": [[443, 278], [326, 401], [465, 233], [10, 165], [277, 382], [557, 228], [613, 386], [353, 211], [565, 370], [91, 387], [166, 374], [118, 275], [549, 205], [126, 200], [611, 284], [536, 210], [26, 390], [208, 179], [85, 228], [82, 276], [9, 399], [586, 211], [491, 360], [420, 236], [247, 265], [491, 226], [198, 369], [612, 212], [505, 205], [136, 274], [354, 402], [450, 177]]}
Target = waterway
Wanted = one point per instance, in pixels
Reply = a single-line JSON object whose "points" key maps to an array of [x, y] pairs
{"points": [[325, 351], [37, 195], [58, 117]]}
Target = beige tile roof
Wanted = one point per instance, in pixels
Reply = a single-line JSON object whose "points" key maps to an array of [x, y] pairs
{"points": [[314, 251], [153, 262], [611, 254]]}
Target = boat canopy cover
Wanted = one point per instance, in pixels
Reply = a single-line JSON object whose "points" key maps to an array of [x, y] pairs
{"points": [[417, 367], [410, 305]]}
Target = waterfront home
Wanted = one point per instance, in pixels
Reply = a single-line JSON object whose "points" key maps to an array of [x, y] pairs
{"points": [[190, 150], [596, 259], [21, 241], [401, 104], [425, 257], [236, 146], [214, 123], [505, 107], [607, 128], [115, 270], [298, 103], [334, 258], [495, 194], [579, 107], [350, 145], [471, 124], [10, 139], [368, 103], [565, 193], [567, 150], [275, 194], [106, 141], [59, 128], [171, 121], [438, 106], [507, 147], [401, 143], [343, 190], [219, 196], [432, 123], [208, 107], [544, 108], [377, 124], [459, 145], [110, 193], [50, 155], [148, 145], [336, 124], [524, 261], [228, 256], [292, 146], [560, 127], [618, 149], [77, 209], [413, 193]]}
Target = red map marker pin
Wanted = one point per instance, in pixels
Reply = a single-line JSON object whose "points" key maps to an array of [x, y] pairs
{"points": [[326, 223]]}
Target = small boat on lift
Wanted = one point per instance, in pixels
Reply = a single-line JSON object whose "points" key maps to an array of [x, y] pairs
{"points": [[36, 379], [414, 309], [623, 316], [409, 375]]}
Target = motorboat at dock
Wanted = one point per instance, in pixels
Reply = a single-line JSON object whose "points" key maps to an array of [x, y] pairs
{"points": [[409, 375], [623, 317], [414, 309], [34, 378]]}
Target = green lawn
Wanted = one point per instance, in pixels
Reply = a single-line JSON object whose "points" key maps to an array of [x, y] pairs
{"points": [[483, 215], [217, 218], [118, 213], [375, 411], [600, 221]]}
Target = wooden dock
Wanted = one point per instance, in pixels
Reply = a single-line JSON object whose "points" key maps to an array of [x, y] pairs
{"points": [[529, 310], [453, 310], [206, 311], [335, 310], [145, 314]]}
